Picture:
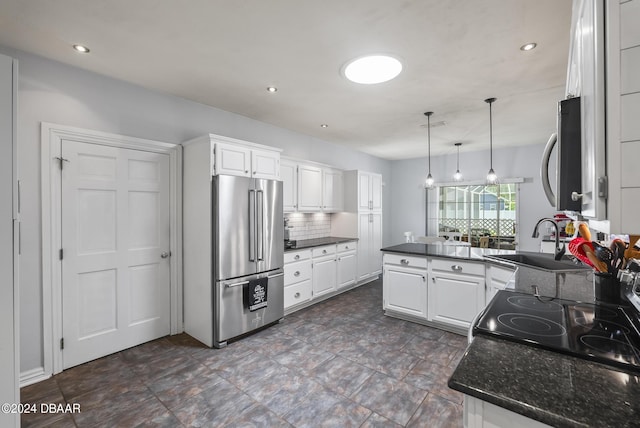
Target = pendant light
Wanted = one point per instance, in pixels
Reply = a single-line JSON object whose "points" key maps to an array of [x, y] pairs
{"points": [[492, 178], [429, 181], [458, 176]]}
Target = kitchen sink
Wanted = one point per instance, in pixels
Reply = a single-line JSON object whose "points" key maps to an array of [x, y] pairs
{"points": [[539, 261], [540, 274]]}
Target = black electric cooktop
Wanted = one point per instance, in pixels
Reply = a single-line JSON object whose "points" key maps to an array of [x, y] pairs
{"points": [[604, 333]]}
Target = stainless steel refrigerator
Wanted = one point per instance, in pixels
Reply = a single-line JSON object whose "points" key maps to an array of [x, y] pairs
{"points": [[248, 255]]}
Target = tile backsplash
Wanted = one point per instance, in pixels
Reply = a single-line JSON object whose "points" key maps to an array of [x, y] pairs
{"points": [[308, 225]]}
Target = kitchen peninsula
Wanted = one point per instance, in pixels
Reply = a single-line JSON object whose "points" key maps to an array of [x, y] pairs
{"points": [[439, 285]]}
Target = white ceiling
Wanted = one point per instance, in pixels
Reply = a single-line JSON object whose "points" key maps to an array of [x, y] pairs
{"points": [[224, 53]]}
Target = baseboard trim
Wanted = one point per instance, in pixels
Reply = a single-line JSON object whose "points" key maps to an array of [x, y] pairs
{"points": [[33, 376]]}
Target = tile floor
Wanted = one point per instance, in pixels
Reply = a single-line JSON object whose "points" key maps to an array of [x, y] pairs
{"points": [[340, 363]]}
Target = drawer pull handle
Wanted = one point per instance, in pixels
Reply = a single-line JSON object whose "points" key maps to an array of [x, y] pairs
{"points": [[457, 268], [297, 273], [297, 257], [346, 247], [324, 251], [404, 261], [297, 295]]}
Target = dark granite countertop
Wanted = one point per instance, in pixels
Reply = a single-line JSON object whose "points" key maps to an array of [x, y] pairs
{"points": [[449, 251], [550, 387], [317, 242]]}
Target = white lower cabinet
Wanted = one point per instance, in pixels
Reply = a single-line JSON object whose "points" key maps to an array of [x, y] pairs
{"points": [[498, 278], [456, 295], [405, 285], [324, 275], [322, 271], [446, 292], [347, 268], [370, 235], [481, 414], [297, 278], [408, 292]]}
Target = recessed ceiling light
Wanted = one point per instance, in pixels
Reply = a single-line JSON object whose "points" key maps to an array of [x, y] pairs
{"points": [[81, 48], [324, 125], [528, 46], [272, 89], [372, 69]]}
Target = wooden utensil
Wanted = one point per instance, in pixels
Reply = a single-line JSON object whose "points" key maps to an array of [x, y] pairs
{"points": [[598, 264], [584, 231]]}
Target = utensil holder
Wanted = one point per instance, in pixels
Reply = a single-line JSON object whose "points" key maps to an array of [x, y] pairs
{"points": [[606, 288]]}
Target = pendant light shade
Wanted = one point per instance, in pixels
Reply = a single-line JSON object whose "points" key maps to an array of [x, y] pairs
{"points": [[458, 176], [429, 181], [492, 178]]}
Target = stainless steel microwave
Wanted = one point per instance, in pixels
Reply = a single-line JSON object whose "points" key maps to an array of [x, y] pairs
{"points": [[569, 158]]}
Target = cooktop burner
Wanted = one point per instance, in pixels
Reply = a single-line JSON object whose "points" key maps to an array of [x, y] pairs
{"points": [[531, 324], [607, 334], [535, 303]]}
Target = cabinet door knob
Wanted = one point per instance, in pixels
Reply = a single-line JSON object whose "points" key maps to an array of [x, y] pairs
{"points": [[297, 257], [297, 295], [457, 268], [404, 261], [297, 273], [246, 171], [324, 251]]}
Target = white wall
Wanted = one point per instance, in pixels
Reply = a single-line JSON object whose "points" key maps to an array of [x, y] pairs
{"points": [[52, 92], [408, 203]]}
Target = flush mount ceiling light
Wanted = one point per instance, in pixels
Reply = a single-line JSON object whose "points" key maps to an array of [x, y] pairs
{"points": [[372, 69], [458, 176], [81, 48], [528, 46], [324, 125], [272, 89], [429, 181], [492, 178]]}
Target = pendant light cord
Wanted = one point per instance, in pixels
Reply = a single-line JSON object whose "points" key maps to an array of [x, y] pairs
{"points": [[429, 140], [490, 101]]}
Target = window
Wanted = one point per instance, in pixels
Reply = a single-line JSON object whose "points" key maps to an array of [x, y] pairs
{"points": [[486, 215]]}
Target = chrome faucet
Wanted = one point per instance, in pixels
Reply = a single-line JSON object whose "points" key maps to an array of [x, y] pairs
{"points": [[559, 251]]}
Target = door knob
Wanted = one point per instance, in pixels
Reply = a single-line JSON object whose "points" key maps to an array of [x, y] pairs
{"points": [[165, 255]]}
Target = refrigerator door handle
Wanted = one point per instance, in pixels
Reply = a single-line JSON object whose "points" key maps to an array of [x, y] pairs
{"points": [[252, 225], [276, 275], [544, 169], [236, 284], [260, 224]]}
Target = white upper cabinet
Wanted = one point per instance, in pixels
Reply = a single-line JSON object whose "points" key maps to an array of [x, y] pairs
{"points": [[586, 79], [309, 188], [265, 164], [623, 110], [332, 190], [240, 158], [289, 176], [232, 160], [362, 191]]}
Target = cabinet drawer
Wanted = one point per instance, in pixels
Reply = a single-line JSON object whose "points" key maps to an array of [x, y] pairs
{"points": [[457, 266], [296, 272], [297, 293], [323, 251], [295, 256], [347, 246], [405, 260]]}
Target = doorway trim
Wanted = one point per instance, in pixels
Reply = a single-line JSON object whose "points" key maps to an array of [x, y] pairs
{"points": [[51, 140]]}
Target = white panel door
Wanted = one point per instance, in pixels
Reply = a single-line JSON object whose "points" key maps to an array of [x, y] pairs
{"points": [[115, 242], [265, 164], [309, 188], [289, 175]]}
